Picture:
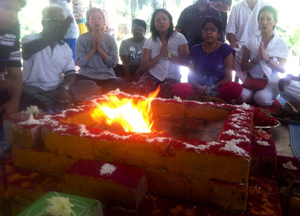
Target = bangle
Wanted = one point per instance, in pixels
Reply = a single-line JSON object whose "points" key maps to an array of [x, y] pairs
{"points": [[268, 60], [65, 87], [253, 62]]}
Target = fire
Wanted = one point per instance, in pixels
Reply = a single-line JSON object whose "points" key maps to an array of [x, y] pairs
{"points": [[133, 116]]}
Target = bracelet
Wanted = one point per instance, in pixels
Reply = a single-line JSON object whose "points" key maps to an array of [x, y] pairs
{"points": [[268, 60], [253, 62]]}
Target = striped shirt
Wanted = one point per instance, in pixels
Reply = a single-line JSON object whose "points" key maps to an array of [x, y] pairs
{"points": [[10, 55]]}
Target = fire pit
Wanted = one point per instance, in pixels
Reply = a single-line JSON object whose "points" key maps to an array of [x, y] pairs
{"points": [[199, 152]]}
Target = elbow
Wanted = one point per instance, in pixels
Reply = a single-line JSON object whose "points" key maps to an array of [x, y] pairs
{"points": [[243, 68]]}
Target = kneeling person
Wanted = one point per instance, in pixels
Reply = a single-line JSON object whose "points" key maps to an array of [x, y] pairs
{"points": [[131, 52], [49, 69]]}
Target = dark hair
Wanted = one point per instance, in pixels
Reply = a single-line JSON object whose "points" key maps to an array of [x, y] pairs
{"points": [[217, 22], [139, 22], [154, 31], [270, 9]]}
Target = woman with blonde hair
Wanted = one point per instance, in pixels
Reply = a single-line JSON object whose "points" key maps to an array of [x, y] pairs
{"points": [[97, 53]]}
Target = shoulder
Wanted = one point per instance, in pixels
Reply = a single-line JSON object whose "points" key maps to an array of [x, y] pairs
{"points": [[109, 38], [226, 49], [127, 41], [196, 48], [237, 6], [84, 36], [149, 43], [190, 8]]}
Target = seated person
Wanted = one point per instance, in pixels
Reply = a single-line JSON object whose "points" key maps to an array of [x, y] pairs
{"points": [[10, 59], [131, 53], [46, 58], [264, 56], [163, 53], [211, 65], [97, 53], [290, 88]]}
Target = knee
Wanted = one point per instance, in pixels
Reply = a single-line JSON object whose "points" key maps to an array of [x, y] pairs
{"points": [[245, 97], [262, 100]]}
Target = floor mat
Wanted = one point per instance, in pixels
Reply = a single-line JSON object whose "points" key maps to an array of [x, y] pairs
{"points": [[295, 139]]}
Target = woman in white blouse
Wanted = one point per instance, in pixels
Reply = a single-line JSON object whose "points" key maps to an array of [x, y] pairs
{"points": [[163, 53]]}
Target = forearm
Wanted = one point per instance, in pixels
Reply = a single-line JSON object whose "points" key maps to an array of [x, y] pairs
{"points": [[139, 70], [231, 38], [15, 84], [178, 60], [246, 66], [126, 70], [69, 80], [33, 47], [275, 66], [193, 82], [222, 81], [151, 63], [103, 54], [90, 54]]}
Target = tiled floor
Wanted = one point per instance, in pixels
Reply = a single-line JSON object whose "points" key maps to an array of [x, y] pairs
{"points": [[281, 136]]}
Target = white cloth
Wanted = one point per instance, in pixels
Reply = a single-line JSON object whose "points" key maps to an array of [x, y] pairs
{"points": [[277, 48], [165, 68], [292, 91], [44, 69], [243, 23]]}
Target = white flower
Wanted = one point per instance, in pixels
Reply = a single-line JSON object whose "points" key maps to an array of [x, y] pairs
{"points": [[32, 109], [60, 206]]}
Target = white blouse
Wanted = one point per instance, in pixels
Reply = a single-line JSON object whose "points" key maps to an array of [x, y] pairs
{"points": [[165, 68]]}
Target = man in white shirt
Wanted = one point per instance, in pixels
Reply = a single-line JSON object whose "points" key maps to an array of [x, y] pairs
{"points": [[49, 69], [243, 24]]}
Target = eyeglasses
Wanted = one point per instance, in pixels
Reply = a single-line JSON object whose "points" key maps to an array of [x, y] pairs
{"points": [[54, 20], [138, 29], [209, 29]]}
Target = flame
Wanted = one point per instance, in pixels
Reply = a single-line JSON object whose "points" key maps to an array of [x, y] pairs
{"points": [[133, 116]]}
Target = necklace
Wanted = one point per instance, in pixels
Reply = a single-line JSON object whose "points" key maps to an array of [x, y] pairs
{"points": [[207, 53]]}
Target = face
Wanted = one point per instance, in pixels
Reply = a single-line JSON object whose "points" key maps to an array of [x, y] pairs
{"points": [[266, 21], [210, 33], [202, 2], [8, 14], [96, 21], [138, 31], [52, 21], [162, 22]]}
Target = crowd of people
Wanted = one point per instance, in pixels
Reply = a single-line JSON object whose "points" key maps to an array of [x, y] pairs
{"points": [[49, 79]]}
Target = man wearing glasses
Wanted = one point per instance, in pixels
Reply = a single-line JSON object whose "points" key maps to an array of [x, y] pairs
{"points": [[191, 18], [49, 69], [131, 52]]}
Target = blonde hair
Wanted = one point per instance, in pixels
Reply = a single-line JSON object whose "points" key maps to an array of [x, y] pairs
{"points": [[88, 14]]}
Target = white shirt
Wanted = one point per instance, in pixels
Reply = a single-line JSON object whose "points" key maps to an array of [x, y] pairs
{"points": [[44, 69], [165, 68], [243, 22], [277, 48]]}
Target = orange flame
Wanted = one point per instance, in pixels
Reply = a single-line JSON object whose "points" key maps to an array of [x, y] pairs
{"points": [[132, 116]]}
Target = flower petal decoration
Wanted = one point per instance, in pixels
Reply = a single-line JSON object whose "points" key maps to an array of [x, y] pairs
{"points": [[60, 206]]}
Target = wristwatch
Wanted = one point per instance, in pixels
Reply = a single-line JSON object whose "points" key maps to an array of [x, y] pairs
{"points": [[65, 87], [253, 62]]}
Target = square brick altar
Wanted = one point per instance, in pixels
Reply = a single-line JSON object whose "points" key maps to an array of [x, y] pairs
{"points": [[210, 169]]}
